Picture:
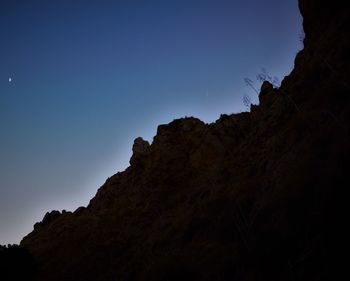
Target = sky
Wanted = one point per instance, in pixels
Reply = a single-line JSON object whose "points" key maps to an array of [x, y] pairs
{"points": [[80, 80]]}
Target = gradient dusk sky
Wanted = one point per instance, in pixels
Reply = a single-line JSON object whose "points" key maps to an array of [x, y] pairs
{"points": [[79, 80]]}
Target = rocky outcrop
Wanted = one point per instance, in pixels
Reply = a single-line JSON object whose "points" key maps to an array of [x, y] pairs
{"points": [[253, 196], [16, 264], [140, 149]]}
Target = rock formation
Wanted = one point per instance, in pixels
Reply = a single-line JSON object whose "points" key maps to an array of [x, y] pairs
{"points": [[253, 196], [140, 150]]}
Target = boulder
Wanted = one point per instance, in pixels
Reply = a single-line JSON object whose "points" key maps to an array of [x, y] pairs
{"points": [[267, 95], [140, 149]]}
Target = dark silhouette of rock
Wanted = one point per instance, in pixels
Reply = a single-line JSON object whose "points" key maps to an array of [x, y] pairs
{"points": [[267, 95], [253, 196], [140, 149], [16, 264]]}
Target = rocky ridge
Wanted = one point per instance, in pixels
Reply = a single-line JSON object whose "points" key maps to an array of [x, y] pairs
{"points": [[253, 196]]}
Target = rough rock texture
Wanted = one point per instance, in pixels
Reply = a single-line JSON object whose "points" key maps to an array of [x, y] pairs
{"points": [[253, 196], [140, 150]]}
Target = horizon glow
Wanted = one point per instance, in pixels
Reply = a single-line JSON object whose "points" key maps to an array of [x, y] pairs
{"points": [[81, 80]]}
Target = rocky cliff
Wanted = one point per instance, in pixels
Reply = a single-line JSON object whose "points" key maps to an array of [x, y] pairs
{"points": [[253, 196]]}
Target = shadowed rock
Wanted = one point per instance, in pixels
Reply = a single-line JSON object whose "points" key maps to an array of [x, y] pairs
{"points": [[140, 149], [254, 196]]}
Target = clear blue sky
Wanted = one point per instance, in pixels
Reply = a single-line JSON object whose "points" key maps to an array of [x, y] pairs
{"points": [[90, 76]]}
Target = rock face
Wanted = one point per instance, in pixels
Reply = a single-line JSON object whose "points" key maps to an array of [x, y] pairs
{"points": [[253, 196], [16, 264], [140, 149]]}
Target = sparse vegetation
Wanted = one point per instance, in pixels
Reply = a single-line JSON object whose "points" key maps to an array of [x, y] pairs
{"points": [[247, 101], [265, 76], [260, 77]]}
